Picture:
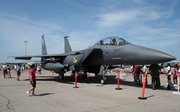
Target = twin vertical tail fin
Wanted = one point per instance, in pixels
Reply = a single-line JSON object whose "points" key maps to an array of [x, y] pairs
{"points": [[67, 47], [44, 50]]}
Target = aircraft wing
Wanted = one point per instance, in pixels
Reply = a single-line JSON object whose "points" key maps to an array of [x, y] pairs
{"points": [[44, 56], [38, 56]]}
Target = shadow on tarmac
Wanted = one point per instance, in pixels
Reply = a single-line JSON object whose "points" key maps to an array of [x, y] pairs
{"points": [[44, 94], [150, 96]]}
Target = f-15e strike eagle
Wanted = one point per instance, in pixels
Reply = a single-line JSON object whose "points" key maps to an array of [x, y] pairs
{"points": [[108, 51]]}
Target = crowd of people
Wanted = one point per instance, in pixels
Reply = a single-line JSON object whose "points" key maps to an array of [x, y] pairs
{"points": [[155, 70], [6, 68], [19, 68]]}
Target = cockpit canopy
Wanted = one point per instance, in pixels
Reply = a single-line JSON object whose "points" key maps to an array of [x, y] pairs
{"points": [[116, 41]]}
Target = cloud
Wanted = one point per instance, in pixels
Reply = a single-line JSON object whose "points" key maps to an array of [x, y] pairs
{"points": [[116, 18], [129, 17], [139, 22]]}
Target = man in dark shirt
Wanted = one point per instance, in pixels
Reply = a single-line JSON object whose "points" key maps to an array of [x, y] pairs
{"points": [[155, 70]]}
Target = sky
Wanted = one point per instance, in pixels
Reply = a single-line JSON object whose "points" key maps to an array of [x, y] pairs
{"points": [[150, 23]]}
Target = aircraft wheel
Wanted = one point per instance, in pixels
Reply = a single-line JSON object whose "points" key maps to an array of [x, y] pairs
{"points": [[103, 81], [84, 76], [96, 75]]}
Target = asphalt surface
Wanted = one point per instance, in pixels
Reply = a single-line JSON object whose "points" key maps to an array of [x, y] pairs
{"points": [[54, 95]]}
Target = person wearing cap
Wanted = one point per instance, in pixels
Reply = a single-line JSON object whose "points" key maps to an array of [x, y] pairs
{"points": [[32, 79]]}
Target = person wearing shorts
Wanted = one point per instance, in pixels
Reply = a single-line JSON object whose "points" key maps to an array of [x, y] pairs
{"points": [[18, 70], [4, 71], [32, 79]]}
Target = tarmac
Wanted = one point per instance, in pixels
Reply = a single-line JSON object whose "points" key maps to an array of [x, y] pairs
{"points": [[55, 95]]}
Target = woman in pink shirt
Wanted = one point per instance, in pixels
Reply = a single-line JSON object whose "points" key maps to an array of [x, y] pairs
{"points": [[32, 79], [175, 74]]}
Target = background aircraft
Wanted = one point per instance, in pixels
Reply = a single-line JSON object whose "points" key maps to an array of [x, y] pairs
{"points": [[108, 51]]}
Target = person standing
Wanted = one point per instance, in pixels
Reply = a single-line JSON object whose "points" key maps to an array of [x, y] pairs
{"points": [[154, 71], [32, 79], [144, 71], [39, 69], [15, 67], [178, 66], [4, 67], [175, 75], [168, 74], [136, 72], [9, 71], [18, 70]]}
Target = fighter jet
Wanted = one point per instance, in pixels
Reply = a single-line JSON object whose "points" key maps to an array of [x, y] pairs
{"points": [[107, 51]]}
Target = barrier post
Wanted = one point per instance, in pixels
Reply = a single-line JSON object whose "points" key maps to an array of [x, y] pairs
{"points": [[141, 80], [143, 88], [75, 80], [118, 80]]}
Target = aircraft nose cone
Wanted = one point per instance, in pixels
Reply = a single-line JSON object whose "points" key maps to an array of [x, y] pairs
{"points": [[152, 56]]}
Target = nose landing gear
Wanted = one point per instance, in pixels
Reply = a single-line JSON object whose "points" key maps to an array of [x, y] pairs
{"points": [[103, 80]]}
